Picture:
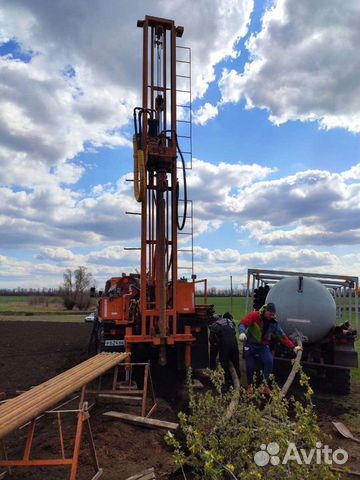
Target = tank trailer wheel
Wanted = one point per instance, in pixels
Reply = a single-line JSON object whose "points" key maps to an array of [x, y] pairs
{"points": [[339, 380]]}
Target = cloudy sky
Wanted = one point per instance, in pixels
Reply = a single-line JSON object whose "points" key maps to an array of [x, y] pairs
{"points": [[276, 110]]}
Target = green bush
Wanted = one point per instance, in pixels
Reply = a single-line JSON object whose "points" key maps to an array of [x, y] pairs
{"points": [[215, 447]]}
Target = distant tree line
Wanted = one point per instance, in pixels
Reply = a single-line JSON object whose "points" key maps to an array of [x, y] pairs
{"points": [[77, 282], [223, 292], [30, 292]]}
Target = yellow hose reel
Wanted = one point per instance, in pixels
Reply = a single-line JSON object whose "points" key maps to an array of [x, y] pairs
{"points": [[139, 172]]}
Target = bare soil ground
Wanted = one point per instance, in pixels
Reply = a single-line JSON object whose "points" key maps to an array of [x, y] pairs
{"points": [[32, 352], [346, 409]]}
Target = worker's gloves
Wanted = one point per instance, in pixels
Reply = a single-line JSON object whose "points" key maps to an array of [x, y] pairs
{"points": [[242, 337], [298, 348]]}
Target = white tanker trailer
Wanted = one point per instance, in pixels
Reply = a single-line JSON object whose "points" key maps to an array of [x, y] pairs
{"points": [[322, 310], [303, 305]]}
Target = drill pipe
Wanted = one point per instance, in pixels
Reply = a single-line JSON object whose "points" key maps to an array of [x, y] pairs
{"points": [[22, 400], [17, 411]]}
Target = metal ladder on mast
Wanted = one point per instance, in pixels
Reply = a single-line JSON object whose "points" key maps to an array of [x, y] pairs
{"points": [[184, 126]]}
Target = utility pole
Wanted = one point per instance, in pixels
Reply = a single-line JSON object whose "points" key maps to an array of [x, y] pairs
{"points": [[231, 295]]}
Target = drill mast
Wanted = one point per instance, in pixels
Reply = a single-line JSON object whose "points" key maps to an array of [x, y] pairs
{"points": [[157, 186], [160, 311]]}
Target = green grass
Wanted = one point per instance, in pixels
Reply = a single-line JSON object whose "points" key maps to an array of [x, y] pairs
{"points": [[37, 305], [356, 371], [236, 305], [38, 309], [30, 304], [25, 299], [6, 299]]}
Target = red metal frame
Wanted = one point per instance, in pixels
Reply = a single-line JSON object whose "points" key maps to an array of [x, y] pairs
{"points": [[32, 405], [204, 281], [159, 288], [82, 419], [161, 310]]}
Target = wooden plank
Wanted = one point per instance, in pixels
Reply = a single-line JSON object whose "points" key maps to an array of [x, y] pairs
{"points": [[126, 386], [148, 474], [116, 392], [152, 410], [143, 421], [346, 472], [124, 399], [130, 392], [98, 474]]}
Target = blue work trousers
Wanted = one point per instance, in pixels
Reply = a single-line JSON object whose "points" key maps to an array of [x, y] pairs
{"points": [[266, 357]]}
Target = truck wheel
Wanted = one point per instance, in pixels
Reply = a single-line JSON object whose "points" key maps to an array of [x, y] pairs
{"points": [[340, 380], [93, 346], [100, 339]]}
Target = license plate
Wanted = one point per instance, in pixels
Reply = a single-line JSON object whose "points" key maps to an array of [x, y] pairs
{"points": [[114, 343]]}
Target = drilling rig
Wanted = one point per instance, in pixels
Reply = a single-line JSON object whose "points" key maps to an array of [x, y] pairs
{"points": [[154, 314]]}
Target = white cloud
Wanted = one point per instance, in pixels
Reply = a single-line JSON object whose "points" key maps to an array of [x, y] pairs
{"points": [[217, 265], [44, 123], [56, 216], [15, 272], [313, 207], [214, 264], [82, 75], [352, 174], [316, 207], [231, 86], [304, 64], [101, 264], [114, 255], [212, 185], [57, 254], [305, 235], [52, 215], [205, 113]]}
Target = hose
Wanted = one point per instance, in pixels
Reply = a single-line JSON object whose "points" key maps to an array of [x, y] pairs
{"points": [[294, 370], [232, 406], [235, 399], [182, 225], [139, 172]]}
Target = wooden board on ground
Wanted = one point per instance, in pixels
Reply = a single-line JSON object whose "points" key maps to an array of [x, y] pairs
{"points": [[143, 421], [124, 399], [117, 392], [148, 474], [126, 386]]}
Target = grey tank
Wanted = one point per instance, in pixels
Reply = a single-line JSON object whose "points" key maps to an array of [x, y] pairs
{"points": [[303, 304]]}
